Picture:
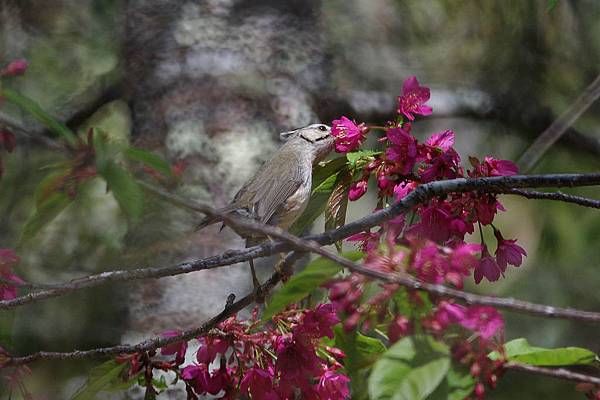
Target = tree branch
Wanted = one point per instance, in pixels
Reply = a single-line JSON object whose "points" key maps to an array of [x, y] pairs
{"points": [[560, 373], [502, 184], [543, 142], [157, 342], [557, 196]]}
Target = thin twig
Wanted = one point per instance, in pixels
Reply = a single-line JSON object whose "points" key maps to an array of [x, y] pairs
{"points": [[502, 184], [557, 196], [543, 142], [560, 373], [157, 342]]}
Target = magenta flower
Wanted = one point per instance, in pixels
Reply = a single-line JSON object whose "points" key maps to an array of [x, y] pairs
{"points": [[443, 140], [463, 259], [201, 379], [177, 348], [508, 252], [449, 313], [403, 151], [487, 267], [15, 68], [8, 258], [435, 223], [500, 167], [443, 166], [317, 323], [333, 386], [7, 141], [399, 328], [259, 383], [403, 188], [483, 319], [413, 99], [492, 167], [295, 360], [348, 134], [357, 190], [209, 348], [368, 240]]}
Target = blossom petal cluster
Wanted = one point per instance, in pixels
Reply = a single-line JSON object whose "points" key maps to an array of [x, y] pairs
{"points": [[8, 259], [348, 135], [277, 363]]}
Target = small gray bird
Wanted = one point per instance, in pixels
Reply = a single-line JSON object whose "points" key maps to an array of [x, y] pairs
{"points": [[279, 191]]}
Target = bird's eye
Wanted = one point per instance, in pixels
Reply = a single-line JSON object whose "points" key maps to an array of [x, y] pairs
{"points": [[322, 128]]}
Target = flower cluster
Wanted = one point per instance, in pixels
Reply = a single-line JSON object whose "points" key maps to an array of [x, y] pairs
{"points": [[406, 163], [8, 259], [280, 362], [430, 245]]}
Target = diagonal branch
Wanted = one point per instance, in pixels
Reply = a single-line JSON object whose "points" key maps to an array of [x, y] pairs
{"points": [[561, 373], [543, 142], [557, 196], [499, 185]]}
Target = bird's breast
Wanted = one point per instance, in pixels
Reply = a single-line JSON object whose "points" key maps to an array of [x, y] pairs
{"points": [[294, 206]]}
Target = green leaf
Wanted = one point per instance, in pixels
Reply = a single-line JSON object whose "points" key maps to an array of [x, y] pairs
{"points": [[361, 155], [149, 159], [105, 377], [315, 207], [324, 179], [411, 369], [551, 4], [48, 186], [32, 108], [361, 351], [458, 385], [123, 186], [519, 350], [326, 169], [317, 272], [335, 211], [7, 318], [44, 213]]}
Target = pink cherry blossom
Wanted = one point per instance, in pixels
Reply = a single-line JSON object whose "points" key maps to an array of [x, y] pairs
{"points": [[177, 348], [357, 190], [209, 348], [492, 167], [403, 151], [368, 240], [443, 166], [295, 360], [487, 267], [348, 134], [317, 323], [399, 328], [435, 222], [413, 99], [404, 188], [333, 386], [442, 141], [508, 252], [484, 320], [8, 258], [259, 383], [15, 68]]}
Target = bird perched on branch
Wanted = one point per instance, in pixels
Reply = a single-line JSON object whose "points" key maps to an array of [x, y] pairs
{"points": [[279, 191]]}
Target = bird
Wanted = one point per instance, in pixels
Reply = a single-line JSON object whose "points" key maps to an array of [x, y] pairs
{"points": [[279, 191]]}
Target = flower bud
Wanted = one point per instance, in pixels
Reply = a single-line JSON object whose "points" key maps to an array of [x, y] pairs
{"points": [[16, 68]]}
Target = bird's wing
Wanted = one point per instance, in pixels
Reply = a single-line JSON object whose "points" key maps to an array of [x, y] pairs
{"points": [[269, 189]]}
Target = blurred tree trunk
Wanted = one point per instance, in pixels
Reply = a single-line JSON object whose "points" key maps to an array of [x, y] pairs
{"points": [[212, 83]]}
